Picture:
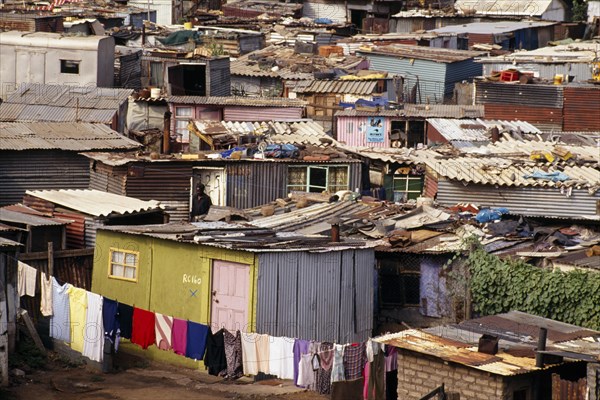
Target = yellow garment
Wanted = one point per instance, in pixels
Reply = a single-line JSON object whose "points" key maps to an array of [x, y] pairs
{"points": [[78, 311]]}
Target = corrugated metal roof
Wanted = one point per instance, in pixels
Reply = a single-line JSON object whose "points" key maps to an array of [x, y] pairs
{"points": [[62, 103], [239, 101], [579, 52], [505, 163], [8, 215], [528, 8], [340, 86], [516, 330], [96, 203], [300, 132], [423, 53], [475, 130], [73, 136], [493, 28], [8, 243], [420, 110]]}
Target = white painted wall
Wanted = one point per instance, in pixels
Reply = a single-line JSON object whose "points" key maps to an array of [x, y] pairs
{"points": [[27, 57]]}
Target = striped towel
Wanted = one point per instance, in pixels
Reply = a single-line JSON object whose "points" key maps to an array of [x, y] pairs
{"points": [[164, 325]]}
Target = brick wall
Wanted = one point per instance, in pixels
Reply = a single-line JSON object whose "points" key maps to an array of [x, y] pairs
{"points": [[419, 374]]}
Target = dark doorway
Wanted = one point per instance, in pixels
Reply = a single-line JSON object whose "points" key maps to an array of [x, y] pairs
{"points": [[188, 80], [357, 17]]}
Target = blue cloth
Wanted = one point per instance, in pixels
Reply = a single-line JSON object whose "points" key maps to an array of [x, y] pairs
{"points": [[324, 21], [196, 340], [60, 322], [490, 214], [109, 318], [548, 176], [125, 318]]}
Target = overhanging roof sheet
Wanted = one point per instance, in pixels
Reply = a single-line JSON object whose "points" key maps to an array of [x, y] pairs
{"points": [[365, 87], [96, 203], [503, 7]]}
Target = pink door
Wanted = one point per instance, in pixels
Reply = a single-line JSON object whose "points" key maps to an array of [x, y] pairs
{"points": [[230, 285]]}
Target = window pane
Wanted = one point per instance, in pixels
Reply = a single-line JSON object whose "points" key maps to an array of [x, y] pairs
{"points": [[117, 270], [69, 67], [411, 289], [400, 184], [156, 74], [183, 111], [338, 178], [414, 185], [297, 176], [118, 256], [129, 272], [318, 179], [130, 259]]}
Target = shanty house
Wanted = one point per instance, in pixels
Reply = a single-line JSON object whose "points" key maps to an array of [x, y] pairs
{"points": [[498, 357], [430, 73], [548, 10], [89, 209], [530, 178], [42, 57], [32, 102], [168, 12], [234, 283], [33, 229], [404, 126], [13, 20], [240, 183], [53, 153]]}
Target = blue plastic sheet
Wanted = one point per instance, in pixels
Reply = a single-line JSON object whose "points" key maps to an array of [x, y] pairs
{"points": [[548, 176], [490, 214]]}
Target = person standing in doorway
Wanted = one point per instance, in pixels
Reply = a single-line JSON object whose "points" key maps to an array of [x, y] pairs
{"points": [[200, 203]]}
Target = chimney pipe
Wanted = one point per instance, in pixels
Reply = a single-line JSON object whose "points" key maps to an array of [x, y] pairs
{"points": [[539, 358], [335, 233], [166, 133], [495, 134]]}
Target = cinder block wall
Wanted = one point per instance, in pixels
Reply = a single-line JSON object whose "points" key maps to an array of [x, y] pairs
{"points": [[419, 374]]}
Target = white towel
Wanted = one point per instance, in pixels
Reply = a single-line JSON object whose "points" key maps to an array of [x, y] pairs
{"points": [[27, 277], [46, 301]]}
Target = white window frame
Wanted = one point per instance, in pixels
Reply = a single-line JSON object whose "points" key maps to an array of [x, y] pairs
{"points": [[327, 186], [407, 178], [183, 134]]}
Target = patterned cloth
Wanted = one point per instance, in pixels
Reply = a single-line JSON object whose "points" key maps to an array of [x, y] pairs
{"points": [[337, 370], [323, 381], [233, 354], [354, 360]]}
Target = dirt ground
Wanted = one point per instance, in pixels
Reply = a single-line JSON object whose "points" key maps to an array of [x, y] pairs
{"points": [[55, 378]]}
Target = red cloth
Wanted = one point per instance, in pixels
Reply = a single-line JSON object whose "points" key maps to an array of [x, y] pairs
{"points": [[143, 332]]}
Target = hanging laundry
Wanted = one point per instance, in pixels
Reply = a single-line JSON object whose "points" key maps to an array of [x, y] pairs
{"points": [[143, 326], [163, 331], [300, 347], [372, 348], [110, 321], [263, 353], [125, 315], [323, 381], [391, 373], [46, 295], [27, 277], [214, 359], [281, 357], [249, 353], [306, 374], [366, 375], [60, 327], [391, 358], [179, 336], [233, 354], [376, 380], [78, 311], [196, 340], [337, 370], [93, 345], [354, 360]]}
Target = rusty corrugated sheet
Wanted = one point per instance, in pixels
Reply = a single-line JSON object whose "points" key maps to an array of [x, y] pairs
{"points": [[75, 230], [544, 118], [581, 109], [107, 178], [232, 113], [479, 38], [563, 389], [535, 95], [29, 22]]}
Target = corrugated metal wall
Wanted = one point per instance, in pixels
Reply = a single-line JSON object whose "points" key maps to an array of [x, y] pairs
{"points": [[107, 179], [332, 10], [233, 113], [582, 109], [316, 296], [349, 131], [251, 184], [255, 86], [458, 72], [528, 201], [38, 170], [220, 79], [431, 74]]}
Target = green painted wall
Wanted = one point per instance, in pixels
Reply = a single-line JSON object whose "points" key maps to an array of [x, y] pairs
{"points": [[173, 279]]}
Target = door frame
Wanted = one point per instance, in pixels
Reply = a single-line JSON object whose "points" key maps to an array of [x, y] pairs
{"points": [[196, 176], [250, 303]]}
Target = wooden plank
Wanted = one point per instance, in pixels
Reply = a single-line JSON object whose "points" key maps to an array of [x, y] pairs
{"points": [[32, 331], [43, 255]]}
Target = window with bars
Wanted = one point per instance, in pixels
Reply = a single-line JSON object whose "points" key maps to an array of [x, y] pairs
{"points": [[407, 186], [317, 179], [123, 264]]}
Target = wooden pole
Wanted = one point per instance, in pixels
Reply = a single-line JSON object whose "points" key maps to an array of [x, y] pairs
{"points": [[50, 271]]}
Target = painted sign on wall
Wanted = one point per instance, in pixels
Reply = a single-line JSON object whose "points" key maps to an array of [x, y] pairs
{"points": [[375, 126]]}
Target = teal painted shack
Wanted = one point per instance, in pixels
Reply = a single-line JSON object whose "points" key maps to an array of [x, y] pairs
{"points": [[429, 73]]}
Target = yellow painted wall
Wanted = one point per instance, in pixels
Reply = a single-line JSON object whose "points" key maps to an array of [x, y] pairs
{"points": [[168, 273]]}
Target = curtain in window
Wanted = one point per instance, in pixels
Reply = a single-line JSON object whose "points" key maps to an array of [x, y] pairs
{"points": [[338, 179], [297, 178]]}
